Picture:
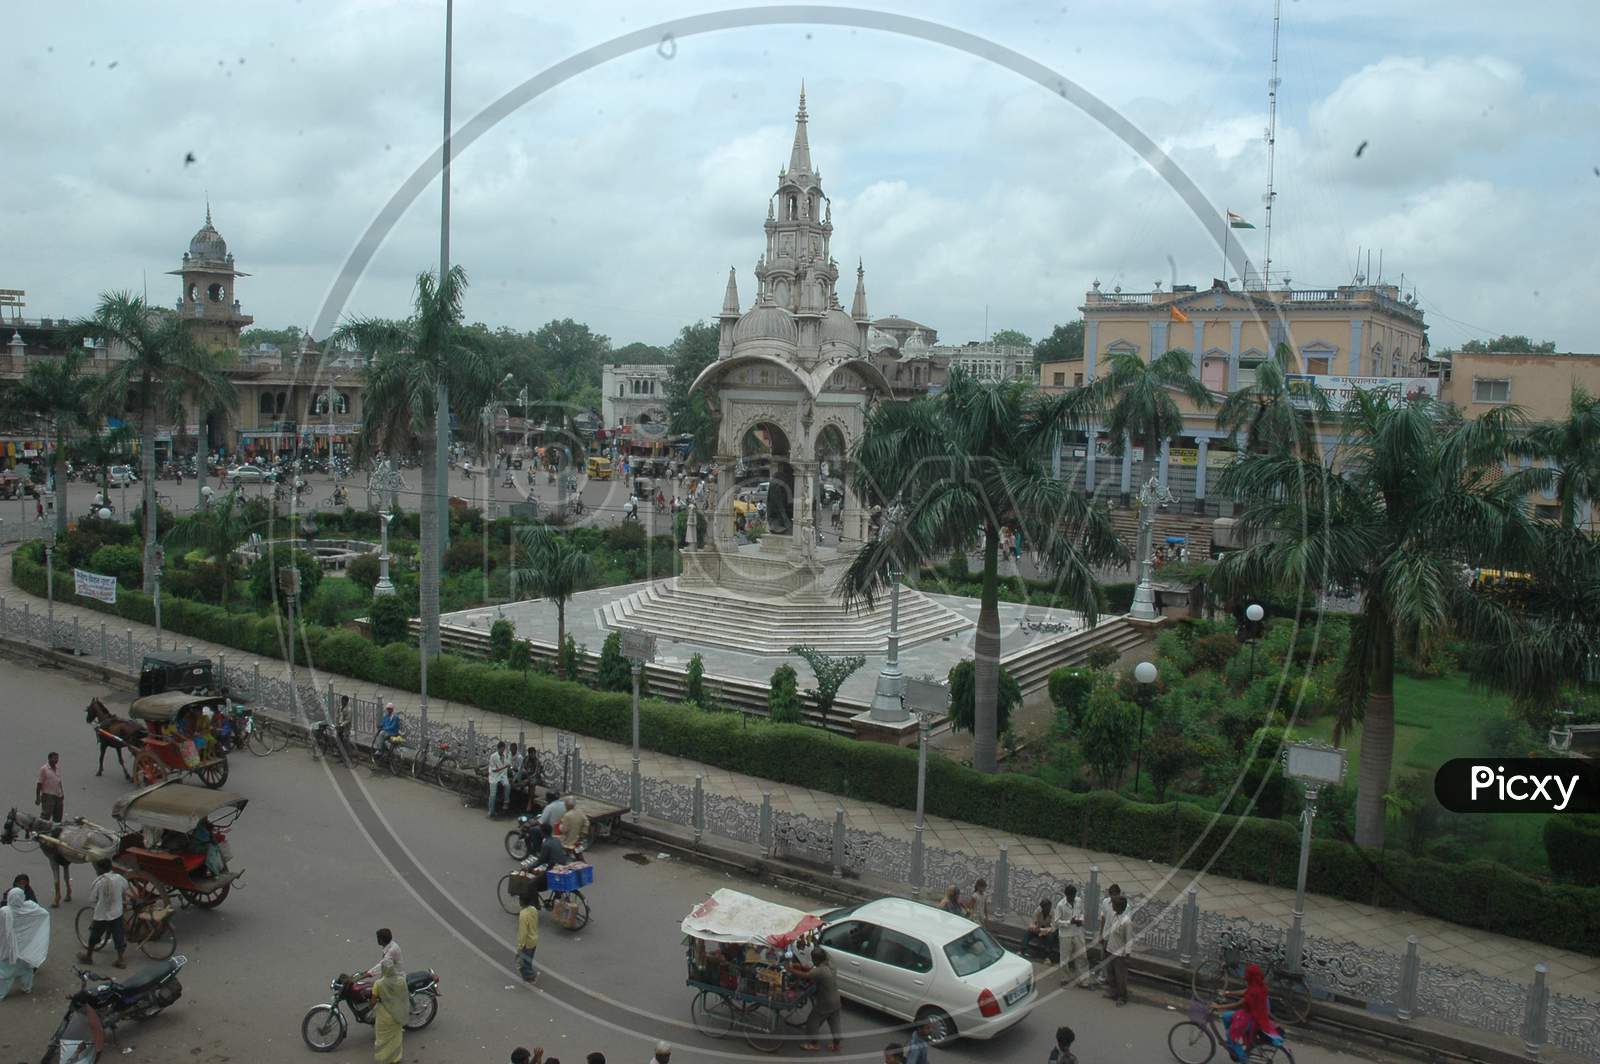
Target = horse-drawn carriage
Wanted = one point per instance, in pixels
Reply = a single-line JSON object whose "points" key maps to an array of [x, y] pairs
{"points": [[175, 837], [174, 738]]}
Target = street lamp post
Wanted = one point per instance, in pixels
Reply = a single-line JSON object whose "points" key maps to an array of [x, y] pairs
{"points": [[1253, 614], [384, 586], [926, 699], [1153, 495], [289, 583], [161, 557], [638, 646], [1316, 765], [888, 701], [1145, 674], [50, 585]]}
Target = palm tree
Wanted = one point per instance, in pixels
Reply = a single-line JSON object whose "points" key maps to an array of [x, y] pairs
{"points": [[163, 363], [1276, 419], [1409, 500], [412, 362], [1138, 397], [556, 570], [56, 391], [1572, 447], [963, 465], [218, 530]]}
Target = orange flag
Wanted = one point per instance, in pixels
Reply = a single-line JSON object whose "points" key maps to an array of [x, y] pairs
{"points": [[1177, 315]]}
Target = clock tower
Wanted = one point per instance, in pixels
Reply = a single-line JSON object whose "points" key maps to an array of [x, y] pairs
{"points": [[207, 302]]}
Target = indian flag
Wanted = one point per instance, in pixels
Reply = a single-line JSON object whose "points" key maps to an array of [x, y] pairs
{"points": [[1236, 222]]}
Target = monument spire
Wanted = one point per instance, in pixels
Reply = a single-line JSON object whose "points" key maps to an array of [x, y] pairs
{"points": [[730, 298], [800, 154], [858, 307]]}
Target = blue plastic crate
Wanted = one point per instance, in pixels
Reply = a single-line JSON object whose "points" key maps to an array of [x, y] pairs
{"points": [[562, 881], [585, 875]]}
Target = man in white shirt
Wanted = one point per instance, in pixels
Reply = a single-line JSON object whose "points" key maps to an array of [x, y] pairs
{"points": [[499, 778], [106, 894], [1119, 944], [1074, 956], [551, 814], [391, 952], [1104, 923]]}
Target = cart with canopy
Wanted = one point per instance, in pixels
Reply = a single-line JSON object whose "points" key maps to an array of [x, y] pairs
{"points": [[176, 836], [739, 952]]}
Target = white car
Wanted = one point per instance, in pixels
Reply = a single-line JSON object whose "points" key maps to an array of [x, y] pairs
{"points": [[916, 961], [250, 473], [120, 475]]}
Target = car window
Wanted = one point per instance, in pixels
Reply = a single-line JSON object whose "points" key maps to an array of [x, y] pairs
{"points": [[855, 936], [973, 952], [903, 951]]}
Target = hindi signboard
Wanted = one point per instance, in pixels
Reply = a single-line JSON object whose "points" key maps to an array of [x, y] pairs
{"points": [[638, 644], [1340, 390], [94, 586]]}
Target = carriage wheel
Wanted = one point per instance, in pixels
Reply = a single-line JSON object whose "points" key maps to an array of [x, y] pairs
{"points": [[207, 899], [712, 1014], [148, 769], [213, 773]]}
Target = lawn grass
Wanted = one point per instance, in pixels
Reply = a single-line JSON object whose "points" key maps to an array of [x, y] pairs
{"points": [[1436, 720]]}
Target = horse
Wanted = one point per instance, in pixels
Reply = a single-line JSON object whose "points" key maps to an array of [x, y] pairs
{"points": [[114, 733], [64, 844]]}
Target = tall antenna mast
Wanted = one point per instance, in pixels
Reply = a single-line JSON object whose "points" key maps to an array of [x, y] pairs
{"points": [[1272, 143]]}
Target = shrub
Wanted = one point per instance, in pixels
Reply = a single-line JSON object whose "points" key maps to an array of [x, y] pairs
{"points": [[613, 673], [570, 658], [628, 536], [465, 555], [695, 681], [1107, 736], [389, 617], [264, 574], [1269, 802], [1213, 651], [520, 656], [1103, 657], [501, 635], [783, 697], [335, 601], [963, 695], [1117, 598], [124, 563], [79, 545], [1572, 846], [1069, 691], [363, 571]]}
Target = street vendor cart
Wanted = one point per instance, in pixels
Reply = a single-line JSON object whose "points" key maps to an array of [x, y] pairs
{"points": [[739, 952]]}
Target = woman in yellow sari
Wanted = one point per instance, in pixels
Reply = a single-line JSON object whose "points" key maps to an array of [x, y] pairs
{"points": [[391, 1006]]}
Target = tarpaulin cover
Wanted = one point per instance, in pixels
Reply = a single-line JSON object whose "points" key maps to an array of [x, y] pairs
{"points": [[729, 916]]}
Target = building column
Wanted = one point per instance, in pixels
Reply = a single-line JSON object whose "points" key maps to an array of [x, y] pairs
{"points": [[1161, 460], [804, 542], [1089, 461], [1357, 346], [1158, 339], [721, 519], [1127, 469], [1202, 444], [1091, 349], [1199, 345], [1235, 328]]}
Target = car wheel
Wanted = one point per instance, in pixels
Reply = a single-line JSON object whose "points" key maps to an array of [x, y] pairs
{"points": [[941, 1028]]}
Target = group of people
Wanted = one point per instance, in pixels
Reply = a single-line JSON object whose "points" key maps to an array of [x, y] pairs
{"points": [[24, 937], [510, 770], [523, 1055]]}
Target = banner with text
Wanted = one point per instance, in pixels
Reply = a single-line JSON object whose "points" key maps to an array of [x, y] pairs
{"points": [[1340, 390], [95, 586]]}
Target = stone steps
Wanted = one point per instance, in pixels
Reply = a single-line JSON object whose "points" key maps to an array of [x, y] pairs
{"points": [[771, 626], [1031, 666], [1195, 528]]}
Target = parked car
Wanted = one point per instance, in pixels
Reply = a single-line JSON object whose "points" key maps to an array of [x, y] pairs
{"points": [[251, 473], [915, 961], [120, 475]]}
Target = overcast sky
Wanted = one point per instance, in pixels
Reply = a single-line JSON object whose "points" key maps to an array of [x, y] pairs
{"points": [[622, 196]]}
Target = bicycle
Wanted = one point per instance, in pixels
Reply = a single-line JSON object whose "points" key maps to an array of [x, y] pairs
{"points": [[445, 769], [386, 754], [1224, 974], [513, 888], [147, 923], [1195, 1040]]}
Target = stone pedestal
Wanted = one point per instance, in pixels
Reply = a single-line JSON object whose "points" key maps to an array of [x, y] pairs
{"points": [[895, 733]]}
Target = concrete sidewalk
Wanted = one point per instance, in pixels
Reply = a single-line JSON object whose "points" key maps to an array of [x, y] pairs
{"points": [[1361, 926]]}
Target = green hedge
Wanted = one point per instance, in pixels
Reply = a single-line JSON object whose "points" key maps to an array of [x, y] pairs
{"points": [[1478, 894]]}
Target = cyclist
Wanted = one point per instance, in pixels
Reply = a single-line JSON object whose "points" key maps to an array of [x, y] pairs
{"points": [[388, 729], [1247, 1019]]}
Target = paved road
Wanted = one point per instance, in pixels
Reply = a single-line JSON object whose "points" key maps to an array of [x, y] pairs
{"points": [[322, 872]]}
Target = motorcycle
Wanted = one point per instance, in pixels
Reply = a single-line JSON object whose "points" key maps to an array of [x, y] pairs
{"points": [[99, 1007], [325, 1026]]}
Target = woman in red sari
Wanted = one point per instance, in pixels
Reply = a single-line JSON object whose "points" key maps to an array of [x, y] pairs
{"points": [[1250, 1018]]}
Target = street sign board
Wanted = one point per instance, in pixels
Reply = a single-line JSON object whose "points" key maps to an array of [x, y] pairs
{"points": [[564, 743], [1314, 763], [638, 644], [926, 696], [289, 580]]}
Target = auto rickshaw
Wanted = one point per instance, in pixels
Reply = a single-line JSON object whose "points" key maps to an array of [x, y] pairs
{"points": [[598, 468]]}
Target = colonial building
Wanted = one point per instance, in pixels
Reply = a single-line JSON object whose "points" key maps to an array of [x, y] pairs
{"points": [[989, 362], [634, 395]]}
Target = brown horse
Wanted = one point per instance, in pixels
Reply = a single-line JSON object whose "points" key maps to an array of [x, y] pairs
{"points": [[114, 733]]}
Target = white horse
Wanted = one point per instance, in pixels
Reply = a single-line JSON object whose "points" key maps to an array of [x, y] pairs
{"points": [[64, 844]]}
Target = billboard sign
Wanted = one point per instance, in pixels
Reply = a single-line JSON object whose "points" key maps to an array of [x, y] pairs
{"points": [[1340, 390]]}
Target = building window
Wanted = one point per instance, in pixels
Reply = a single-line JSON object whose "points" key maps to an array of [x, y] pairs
{"points": [[1059, 380], [1318, 366], [1247, 372], [1077, 380], [1547, 511], [1490, 391]]}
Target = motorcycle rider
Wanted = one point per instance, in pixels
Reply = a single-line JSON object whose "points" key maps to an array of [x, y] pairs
{"points": [[391, 952]]}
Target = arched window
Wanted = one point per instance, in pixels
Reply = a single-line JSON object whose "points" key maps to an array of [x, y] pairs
{"points": [[264, 404], [794, 207]]}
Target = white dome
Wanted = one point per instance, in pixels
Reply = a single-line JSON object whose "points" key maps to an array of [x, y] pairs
{"points": [[878, 340], [838, 327], [764, 321]]}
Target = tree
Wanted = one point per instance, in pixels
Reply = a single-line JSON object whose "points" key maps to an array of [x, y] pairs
{"points": [[967, 462], [963, 698], [1109, 734], [390, 619], [1512, 345], [501, 634], [831, 673], [640, 354], [1411, 502], [555, 569], [1267, 411], [283, 339], [687, 412], [1010, 338], [1167, 755], [266, 570], [1572, 447], [571, 354], [1138, 397], [163, 364], [783, 696], [218, 530], [1064, 344], [694, 684], [413, 361], [57, 392], [103, 449]]}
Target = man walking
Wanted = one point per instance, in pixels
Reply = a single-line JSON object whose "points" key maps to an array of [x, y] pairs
{"points": [[662, 1055], [825, 1006], [1074, 955], [917, 1044], [528, 936], [499, 778], [47, 792], [107, 894], [1119, 943]]}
